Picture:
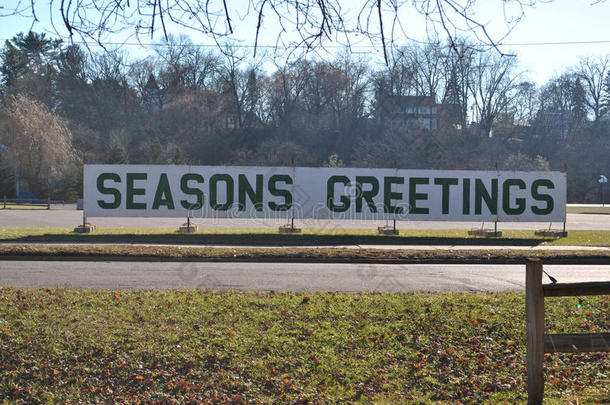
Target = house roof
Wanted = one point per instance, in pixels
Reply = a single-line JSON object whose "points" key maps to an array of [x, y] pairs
{"points": [[412, 101]]}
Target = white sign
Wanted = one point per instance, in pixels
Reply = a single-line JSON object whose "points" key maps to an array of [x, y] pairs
{"points": [[338, 193]]}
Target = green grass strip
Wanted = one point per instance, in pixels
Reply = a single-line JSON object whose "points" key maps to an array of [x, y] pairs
{"points": [[309, 237], [297, 254]]}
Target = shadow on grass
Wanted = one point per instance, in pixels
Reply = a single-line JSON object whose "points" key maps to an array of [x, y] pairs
{"points": [[592, 213], [261, 239]]}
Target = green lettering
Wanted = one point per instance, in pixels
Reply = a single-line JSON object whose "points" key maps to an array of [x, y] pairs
{"points": [[109, 191], [550, 203], [481, 193], [520, 208], [274, 191], [244, 188], [414, 196], [388, 195], [366, 195], [184, 186], [330, 194], [163, 195], [466, 197], [214, 180], [132, 191], [445, 183]]}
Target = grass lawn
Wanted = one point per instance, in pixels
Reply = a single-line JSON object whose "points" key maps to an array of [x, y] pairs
{"points": [[311, 237], [588, 209], [237, 347]]}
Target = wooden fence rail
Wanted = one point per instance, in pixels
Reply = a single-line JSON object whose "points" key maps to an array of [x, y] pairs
{"points": [[576, 289], [539, 343], [34, 202]]}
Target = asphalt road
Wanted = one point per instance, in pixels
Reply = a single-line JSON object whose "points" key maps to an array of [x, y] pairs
{"points": [[68, 216], [278, 276]]}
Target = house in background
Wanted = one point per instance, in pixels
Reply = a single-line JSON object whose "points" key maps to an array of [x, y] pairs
{"points": [[555, 122], [416, 112]]}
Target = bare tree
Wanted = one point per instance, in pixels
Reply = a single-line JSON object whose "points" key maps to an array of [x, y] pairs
{"points": [[314, 21], [112, 103], [562, 108], [492, 87], [526, 103], [395, 79], [556, 94], [350, 104], [592, 72], [186, 66], [240, 83], [143, 77], [283, 96], [427, 61], [324, 88]]}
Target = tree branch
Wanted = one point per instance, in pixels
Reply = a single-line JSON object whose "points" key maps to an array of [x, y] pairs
{"points": [[385, 53]]}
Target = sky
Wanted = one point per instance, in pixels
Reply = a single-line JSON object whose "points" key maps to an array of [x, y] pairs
{"points": [[561, 28], [550, 38]]}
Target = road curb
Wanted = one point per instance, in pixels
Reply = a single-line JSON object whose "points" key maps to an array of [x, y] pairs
{"points": [[156, 259]]}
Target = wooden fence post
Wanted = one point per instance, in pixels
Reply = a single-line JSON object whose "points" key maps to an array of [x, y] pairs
{"points": [[534, 308]]}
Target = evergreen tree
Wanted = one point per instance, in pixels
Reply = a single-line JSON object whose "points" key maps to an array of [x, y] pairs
{"points": [[29, 65], [7, 180], [154, 152], [333, 161], [177, 157], [579, 103], [116, 153], [73, 95], [32, 52], [14, 64]]}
